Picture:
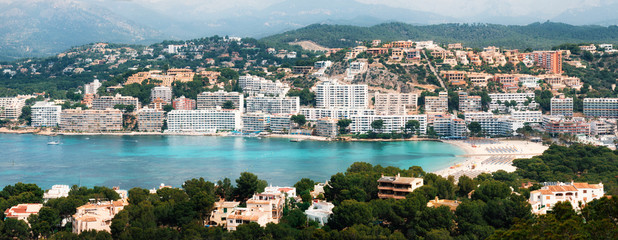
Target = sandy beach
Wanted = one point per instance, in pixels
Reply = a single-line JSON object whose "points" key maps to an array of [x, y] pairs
{"points": [[490, 155]]}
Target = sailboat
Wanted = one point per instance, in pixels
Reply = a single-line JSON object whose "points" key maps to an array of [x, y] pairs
{"points": [[53, 142]]}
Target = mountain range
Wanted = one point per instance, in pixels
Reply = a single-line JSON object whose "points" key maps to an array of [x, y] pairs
{"points": [[43, 27]]}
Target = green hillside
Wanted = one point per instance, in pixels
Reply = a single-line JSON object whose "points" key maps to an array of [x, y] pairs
{"points": [[535, 36]]}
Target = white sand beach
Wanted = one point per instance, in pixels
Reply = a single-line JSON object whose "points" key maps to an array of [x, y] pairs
{"points": [[490, 155]]}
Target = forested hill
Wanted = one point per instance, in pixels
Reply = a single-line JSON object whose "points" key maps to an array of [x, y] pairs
{"points": [[536, 35]]}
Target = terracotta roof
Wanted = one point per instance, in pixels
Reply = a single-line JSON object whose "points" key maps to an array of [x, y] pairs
{"points": [[586, 185], [565, 188]]}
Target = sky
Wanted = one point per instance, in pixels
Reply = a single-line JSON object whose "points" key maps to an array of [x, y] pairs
{"points": [[455, 8]]}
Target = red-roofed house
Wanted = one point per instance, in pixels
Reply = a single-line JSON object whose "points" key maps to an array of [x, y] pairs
{"points": [[23, 211]]}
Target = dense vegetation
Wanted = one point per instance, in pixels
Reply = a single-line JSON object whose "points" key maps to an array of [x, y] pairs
{"points": [[536, 35]]}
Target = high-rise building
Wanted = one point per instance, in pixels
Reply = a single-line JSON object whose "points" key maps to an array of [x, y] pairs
{"points": [[562, 106], [255, 121], [45, 114], [280, 123], [550, 60], [163, 93], [313, 114], [207, 120], [78, 120], [396, 123], [212, 100], [150, 120], [326, 127], [105, 102], [273, 105], [395, 104], [183, 103], [469, 103], [437, 104], [93, 87], [253, 85], [10, 107], [331, 94], [601, 107]]}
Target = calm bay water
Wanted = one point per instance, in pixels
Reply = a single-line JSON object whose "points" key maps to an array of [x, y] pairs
{"points": [[147, 161]]}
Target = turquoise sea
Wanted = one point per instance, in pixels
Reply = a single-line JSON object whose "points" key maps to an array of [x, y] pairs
{"points": [[147, 161]]}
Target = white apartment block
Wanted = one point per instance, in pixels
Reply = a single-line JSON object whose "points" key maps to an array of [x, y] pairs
{"points": [[450, 127], [327, 127], [474, 116], [527, 116], [331, 94], [78, 120], [208, 120], [507, 97], [498, 126], [601, 107], [164, 93], [57, 191], [602, 127], [255, 121], [212, 100], [577, 194], [469, 103], [273, 105], [105, 102], [253, 85], [362, 123], [313, 114], [150, 120], [437, 104], [395, 103], [280, 123], [46, 114], [10, 107], [562, 106], [93, 87]]}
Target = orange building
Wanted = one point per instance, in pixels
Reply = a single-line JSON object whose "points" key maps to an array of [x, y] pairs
{"points": [[550, 60]]}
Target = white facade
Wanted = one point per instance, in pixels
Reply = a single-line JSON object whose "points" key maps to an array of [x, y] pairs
{"points": [[313, 114], [437, 104], [10, 107], [577, 194], [212, 120], [105, 102], [507, 97], [331, 94], [529, 81], [320, 212], [93, 87], [212, 100], [601, 107], [46, 114], [163, 93], [362, 123], [273, 105], [57, 191], [395, 104], [527, 116], [280, 123], [562, 106], [255, 121], [253, 85]]}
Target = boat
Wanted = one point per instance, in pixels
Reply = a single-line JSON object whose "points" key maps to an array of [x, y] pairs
{"points": [[53, 143], [296, 140]]}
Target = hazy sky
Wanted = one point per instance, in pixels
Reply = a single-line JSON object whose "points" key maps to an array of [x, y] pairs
{"points": [[545, 9], [456, 8]]}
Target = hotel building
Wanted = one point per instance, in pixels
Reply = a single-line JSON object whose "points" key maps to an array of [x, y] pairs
{"points": [[469, 103], [253, 85], [280, 123], [78, 120], [208, 120], [10, 107], [562, 106], [437, 104], [550, 60], [362, 123], [313, 114], [327, 127], [163, 93], [183, 103], [395, 104], [212, 100], [105, 102], [601, 107], [46, 114], [150, 120], [273, 105], [255, 121], [331, 94]]}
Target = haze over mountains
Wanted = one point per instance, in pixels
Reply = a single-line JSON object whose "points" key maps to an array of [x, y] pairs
{"points": [[43, 27]]}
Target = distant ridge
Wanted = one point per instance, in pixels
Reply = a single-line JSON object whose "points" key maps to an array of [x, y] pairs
{"points": [[535, 36]]}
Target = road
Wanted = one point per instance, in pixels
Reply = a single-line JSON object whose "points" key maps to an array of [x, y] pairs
{"points": [[434, 70]]}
